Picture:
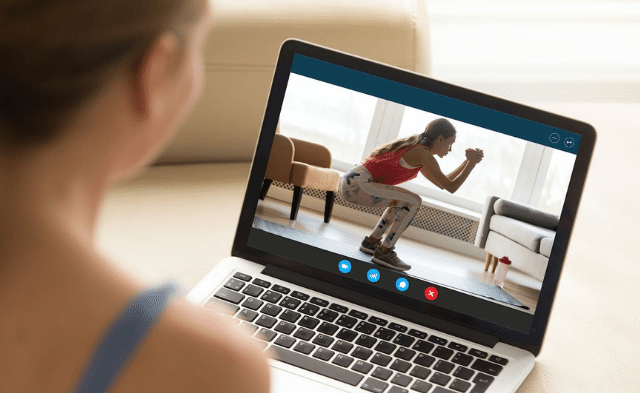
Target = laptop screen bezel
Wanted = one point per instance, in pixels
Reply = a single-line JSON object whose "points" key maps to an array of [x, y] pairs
{"points": [[531, 341]]}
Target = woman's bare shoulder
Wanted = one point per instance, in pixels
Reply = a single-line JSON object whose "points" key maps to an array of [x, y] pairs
{"points": [[196, 349]]}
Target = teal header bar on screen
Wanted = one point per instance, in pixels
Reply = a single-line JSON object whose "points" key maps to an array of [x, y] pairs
{"points": [[435, 103]]}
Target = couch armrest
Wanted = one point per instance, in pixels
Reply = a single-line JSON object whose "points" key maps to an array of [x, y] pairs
{"points": [[281, 159], [311, 153], [526, 214]]}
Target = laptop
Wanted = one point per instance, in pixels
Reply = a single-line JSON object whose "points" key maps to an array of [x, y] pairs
{"points": [[334, 321]]}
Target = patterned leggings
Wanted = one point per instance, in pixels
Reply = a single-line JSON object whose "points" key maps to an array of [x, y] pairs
{"points": [[357, 186]]}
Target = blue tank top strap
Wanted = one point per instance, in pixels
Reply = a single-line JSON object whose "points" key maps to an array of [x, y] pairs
{"points": [[129, 329]]}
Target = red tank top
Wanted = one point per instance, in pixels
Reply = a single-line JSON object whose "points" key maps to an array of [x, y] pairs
{"points": [[386, 169]]}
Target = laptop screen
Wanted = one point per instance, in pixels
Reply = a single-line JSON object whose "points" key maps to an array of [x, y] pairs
{"points": [[477, 244]]}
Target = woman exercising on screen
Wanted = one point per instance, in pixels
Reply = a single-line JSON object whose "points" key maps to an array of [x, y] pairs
{"points": [[373, 184]]}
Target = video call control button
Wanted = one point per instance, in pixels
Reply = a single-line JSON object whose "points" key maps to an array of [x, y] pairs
{"points": [[431, 293], [554, 138], [569, 142], [344, 266], [402, 284], [373, 275]]}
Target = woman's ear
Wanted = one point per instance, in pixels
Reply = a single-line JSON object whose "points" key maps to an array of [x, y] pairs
{"points": [[152, 75]]}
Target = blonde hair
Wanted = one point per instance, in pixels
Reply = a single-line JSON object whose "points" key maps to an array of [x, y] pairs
{"points": [[435, 128], [56, 54]]}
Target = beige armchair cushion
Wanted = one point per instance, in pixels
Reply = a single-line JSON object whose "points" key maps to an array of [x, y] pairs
{"points": [[307, 176]]}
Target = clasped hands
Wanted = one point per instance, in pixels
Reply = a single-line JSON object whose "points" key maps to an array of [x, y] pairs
{"points": [[474, 155]]}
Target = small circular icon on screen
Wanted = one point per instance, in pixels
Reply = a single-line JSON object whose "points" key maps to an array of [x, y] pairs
{"points": [[569, 142], [431, 293], [402, 284], [344, 266], [554, 138], [373, 275]]}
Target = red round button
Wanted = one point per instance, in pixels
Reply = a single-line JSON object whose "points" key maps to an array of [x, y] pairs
{"points": [[431, 293]]}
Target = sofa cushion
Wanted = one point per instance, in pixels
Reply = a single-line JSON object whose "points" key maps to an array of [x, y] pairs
{"points": [[546, 244], [526, 213], [520, 232]]}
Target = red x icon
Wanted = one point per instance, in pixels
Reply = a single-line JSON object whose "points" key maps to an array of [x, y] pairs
{"points": [[431, 293]]}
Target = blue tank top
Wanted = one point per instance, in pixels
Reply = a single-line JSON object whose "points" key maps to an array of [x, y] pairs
{"points": [[131, 326]]}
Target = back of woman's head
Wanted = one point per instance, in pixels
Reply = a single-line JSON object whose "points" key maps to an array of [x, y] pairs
{"points": [[438, 127], [56, 54]]}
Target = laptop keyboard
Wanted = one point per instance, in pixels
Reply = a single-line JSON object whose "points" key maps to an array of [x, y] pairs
{"points": [[352, 346]]}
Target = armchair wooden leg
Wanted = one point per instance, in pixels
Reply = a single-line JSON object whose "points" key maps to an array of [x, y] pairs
{"points": [[328, 205], [266, 183], [487, 261], [495, 264], [295, 203]]}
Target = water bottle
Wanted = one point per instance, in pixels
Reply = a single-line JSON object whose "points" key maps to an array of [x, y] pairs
{"points": [[501, 271]]}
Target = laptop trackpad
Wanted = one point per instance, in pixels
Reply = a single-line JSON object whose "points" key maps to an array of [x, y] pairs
{"points": [[287, 382]]}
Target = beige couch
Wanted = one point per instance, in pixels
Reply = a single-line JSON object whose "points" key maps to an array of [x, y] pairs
{"points": [[174, 222]]}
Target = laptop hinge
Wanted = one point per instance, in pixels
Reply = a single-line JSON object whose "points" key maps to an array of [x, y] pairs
{"points": [[381, 305]]}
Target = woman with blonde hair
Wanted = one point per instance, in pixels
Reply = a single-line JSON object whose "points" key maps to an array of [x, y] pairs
{"points": [[373, 183], [90, 91]]}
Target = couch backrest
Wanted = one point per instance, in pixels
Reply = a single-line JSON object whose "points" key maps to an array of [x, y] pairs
{"points": [[243, 47]]}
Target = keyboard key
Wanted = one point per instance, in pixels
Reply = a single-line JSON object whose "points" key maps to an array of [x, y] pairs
{"points": [[285, 341], [385, 347], [421, 386], [459, 385], [223, 306], [234, 284], [252, 303], [346, 321], [402, 380], [323, 340], [319, 302], [362, 353], [463, 359], [228, 295], [404, 353], [366, 341], [266, 321], [308, 322], [290, 316], [290, 303], [251, 328], [365, 327], [281, 289], [342, 360], [397, 327], [338, 307], [482, 382], [424, 360], [328, 328], [420, 372], [381, 359], [266, 334], [342, 346], [272, 297], [347, 335], [309, 309], [423, 346], [285, 327], [440, 379], [497, 359], [304, 334], [247, 315], [381, 373], [362, 366], [457, 347], [417, 334], [242, 276], [375, 386], [443, 353], [299, 295], [478, 354], [262, 283], [271, 309], [317, 366], [400, 365], [304, 347], [464, 373], [486, 367], [404, 340], [324, 354], [438, 340], [444, 366], [327, 315], [378, 321], [384, 334], [358, 314], [396, 389], [253, 290]]}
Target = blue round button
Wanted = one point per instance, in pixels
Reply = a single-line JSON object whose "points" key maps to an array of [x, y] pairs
{"points": [[402, 284], [344, 266], [373, 275]]}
